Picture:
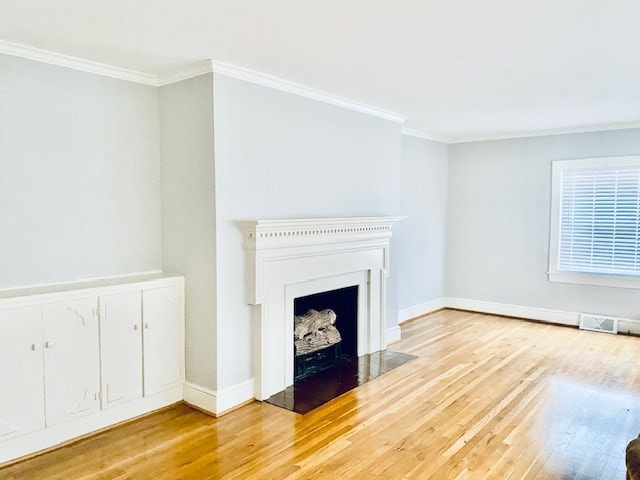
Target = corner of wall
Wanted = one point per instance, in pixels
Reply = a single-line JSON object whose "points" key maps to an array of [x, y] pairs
{"points": [[219, 402]]}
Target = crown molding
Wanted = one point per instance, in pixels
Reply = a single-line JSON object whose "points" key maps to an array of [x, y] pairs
{"points": [[542, 133], [271, 81], [427, 136], [75, 63], [253, 76], [184, 73], [277, 83], [190, 71]]}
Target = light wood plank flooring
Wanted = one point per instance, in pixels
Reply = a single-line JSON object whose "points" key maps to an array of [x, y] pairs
{"points": [[488, 397]]}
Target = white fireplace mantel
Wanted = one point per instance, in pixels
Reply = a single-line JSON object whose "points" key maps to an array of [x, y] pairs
{"points": [[287, 258]]}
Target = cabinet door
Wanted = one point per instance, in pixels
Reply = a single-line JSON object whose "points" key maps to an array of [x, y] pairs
{"points": [[71, 359], [162, 317], [121, 347], [22, 398]]}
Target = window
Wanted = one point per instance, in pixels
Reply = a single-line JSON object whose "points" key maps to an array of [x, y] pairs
{"points": [[595, 221]]}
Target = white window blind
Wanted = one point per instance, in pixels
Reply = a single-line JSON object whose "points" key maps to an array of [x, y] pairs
{"points": [[600, 219]]}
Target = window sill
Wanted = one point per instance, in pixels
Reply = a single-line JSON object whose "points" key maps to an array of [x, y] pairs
{"points": [[603, 280]]}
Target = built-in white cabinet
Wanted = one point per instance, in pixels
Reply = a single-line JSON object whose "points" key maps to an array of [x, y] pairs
{"points": [[162, 326], [73, 361], [21, 371], [121, 347], [50, 365]]}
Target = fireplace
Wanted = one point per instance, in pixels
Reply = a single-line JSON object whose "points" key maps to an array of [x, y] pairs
{"points": [[293, 259], [325, 330]]}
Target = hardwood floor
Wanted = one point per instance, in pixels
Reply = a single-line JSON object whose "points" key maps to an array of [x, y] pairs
{"points": [[487, 397]]}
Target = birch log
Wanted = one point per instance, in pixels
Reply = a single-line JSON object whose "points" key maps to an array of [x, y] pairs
{"points": [[314, 331]]}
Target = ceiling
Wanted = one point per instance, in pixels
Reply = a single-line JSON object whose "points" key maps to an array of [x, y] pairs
{"points": [[460, 69]]}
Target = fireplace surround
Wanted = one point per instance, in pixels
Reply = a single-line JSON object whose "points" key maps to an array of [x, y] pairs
{"points": [[287, 259]]}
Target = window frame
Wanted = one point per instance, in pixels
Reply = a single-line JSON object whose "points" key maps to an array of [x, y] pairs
{"points": [[584, 278]]}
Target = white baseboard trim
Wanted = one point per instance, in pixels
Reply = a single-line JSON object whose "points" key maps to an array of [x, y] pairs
{"points": [[629, 326], [563, 317], [532, 313], [235, 395], [394, 334], [420, 309], [218, 402], [200, 397]]}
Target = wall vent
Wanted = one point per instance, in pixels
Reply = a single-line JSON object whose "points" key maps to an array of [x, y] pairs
{"points": [[598, 323]]}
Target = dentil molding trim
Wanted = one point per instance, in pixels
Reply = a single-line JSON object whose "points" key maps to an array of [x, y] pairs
{"points": [[287, 259]]}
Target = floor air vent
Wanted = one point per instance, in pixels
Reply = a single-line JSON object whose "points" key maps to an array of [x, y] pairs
{"points": [[598, 323]]}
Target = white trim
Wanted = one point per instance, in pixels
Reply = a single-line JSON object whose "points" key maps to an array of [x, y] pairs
{"points": [[601, 280], [217, 403], [207, 66], [190, 71], [184, 73], [200, 397], [563, 317], [277, 83], [394, 334], [629, 326], [420, 309], [542, 133], [582, 278], [427, 136], [83, 280], [52, 436], [235, 395], [283, 253], [532, 313], [75, 63], [62, 292]]}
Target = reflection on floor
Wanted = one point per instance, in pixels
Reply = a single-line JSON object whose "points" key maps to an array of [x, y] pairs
{"points": [[311, 392], [585, 428], [486, 398]]}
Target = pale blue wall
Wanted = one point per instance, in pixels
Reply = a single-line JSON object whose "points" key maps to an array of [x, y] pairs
{"points": [[188, 214], [499, 204], [421, 237], [79, 175], [280, 155]]}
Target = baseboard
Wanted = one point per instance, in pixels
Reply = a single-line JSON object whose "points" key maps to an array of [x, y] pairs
{"points": [[56, 435], [629, 326], [235, 395], [218, 402], [394, 334], [420, 309], [533, 313], [200, 397]]}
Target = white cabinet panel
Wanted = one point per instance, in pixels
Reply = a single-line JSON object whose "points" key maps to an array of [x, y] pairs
{"points": [[121, 347], [71, 359], [162, 317], [22, 390]]}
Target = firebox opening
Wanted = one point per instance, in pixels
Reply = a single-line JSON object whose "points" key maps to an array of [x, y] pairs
{"points": [[325, 330]]}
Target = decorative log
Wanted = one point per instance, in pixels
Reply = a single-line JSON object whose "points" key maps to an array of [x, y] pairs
{"points": [[314, 331]]}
